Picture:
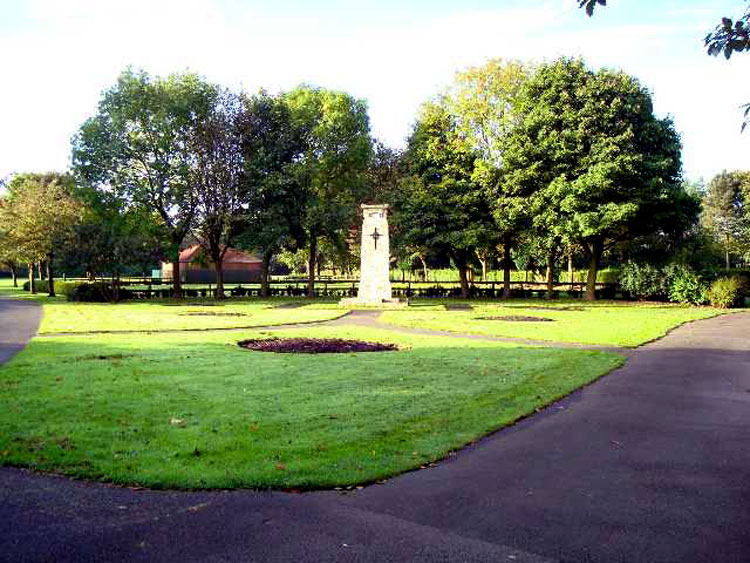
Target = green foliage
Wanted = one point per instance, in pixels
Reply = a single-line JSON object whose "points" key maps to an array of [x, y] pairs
{"points": [[643, 281], [332, 168], [39, 285], [590, 164], [440, 206], [726, 213], [99, 292], [39, 214], [726, 292], [139, 146], [686, 286]]}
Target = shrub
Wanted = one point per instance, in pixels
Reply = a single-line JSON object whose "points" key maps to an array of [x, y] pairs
{"points": [[96, 293], [726, 292], [41, 286], [643, 281], [685, 286]]}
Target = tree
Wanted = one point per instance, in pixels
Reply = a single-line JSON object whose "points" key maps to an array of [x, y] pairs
{"points": [[726, 212], [482, 101], [272, 145], [112, 240], [216, 173], [10, 256], [139, 146], [40, 213], [332, 169], [589, 159], [440, 205]]}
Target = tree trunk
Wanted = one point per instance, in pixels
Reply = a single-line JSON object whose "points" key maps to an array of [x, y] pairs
{"points": [[550, 273], [176, 281], [32, 289], [14, 274], [424, 268], [311, 266], [463, 277], [40, 270], [219, 267], [570, 268], [482, 256], [726, 256], [506, 268], [264, 274], [50, 277], [595, 254]]}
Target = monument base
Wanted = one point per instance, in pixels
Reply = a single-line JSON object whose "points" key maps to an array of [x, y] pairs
{"points": [[355, 302]]}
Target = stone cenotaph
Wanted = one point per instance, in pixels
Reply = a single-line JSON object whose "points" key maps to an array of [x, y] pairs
{"points": [[374, 283]]}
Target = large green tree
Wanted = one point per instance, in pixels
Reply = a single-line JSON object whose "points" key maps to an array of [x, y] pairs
{"points": [[483, 103], [332, 168], [590, 161], [441, 206], [726, 212], [38, 218], [272, 145], [139, 146], [216, 174]]}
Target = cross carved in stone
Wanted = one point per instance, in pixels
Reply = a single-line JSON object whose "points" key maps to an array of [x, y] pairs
{"points": [[375, 236]]}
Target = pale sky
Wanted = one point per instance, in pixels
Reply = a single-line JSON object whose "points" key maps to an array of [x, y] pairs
{"points": [[56, 57]]}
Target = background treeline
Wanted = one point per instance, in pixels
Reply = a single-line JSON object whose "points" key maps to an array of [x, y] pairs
{"points": [[549, 169]]}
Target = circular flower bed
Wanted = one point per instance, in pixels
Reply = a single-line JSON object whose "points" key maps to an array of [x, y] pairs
{"points": [[315, 345]]}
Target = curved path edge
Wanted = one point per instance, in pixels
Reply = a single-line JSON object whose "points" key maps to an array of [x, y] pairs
{"points": [[19, 322], [650, 463]]}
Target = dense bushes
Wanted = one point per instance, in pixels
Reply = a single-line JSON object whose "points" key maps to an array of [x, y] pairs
{"points": [[686, 286], [97, 293], [644, 281], [673, 282], [726, 292]]}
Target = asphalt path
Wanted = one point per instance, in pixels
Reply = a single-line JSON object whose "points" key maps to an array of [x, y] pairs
{"points": [[19, 321], [651, 463]]}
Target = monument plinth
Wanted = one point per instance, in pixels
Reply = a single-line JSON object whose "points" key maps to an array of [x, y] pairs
{"points": [[375, 257]]}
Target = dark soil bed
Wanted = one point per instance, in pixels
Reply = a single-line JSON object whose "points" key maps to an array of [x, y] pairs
{"points": [[315, 345], [517, 318]]}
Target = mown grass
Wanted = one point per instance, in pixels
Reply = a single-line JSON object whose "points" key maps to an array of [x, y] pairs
{"points": [[196, 411], [606, 323]]}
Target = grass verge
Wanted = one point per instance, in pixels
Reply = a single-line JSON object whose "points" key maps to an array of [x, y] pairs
{"points": [[197, 411], [607, 323]]}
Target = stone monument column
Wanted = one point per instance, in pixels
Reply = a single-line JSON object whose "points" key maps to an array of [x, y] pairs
{"points": [[375, 258], [375, 255]]}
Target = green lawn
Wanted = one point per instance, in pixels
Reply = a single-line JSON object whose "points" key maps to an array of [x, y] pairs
{"points": [[194, 410], [62, 316], [607, 323]]}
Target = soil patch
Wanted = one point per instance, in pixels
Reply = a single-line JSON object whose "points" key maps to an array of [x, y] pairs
{"points": [[212, 314], [518, 318], [458, 307], [315, 345]]}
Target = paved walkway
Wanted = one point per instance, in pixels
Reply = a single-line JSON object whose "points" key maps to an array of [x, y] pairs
{"points": [[651, 463], [19, 321]]}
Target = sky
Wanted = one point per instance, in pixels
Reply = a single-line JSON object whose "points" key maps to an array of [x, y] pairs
{"points": [[57, 56]]}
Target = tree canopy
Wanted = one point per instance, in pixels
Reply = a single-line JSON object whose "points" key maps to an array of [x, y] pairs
{"points": [[726, 212], [589, 160], [139, 146], [440, 205], [332, 168]]}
